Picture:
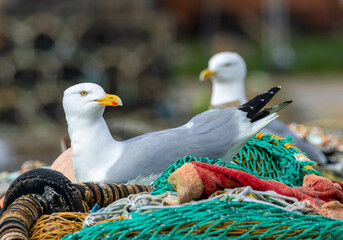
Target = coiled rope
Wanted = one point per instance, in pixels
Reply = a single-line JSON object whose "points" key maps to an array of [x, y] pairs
{"points": [[48, 195]]}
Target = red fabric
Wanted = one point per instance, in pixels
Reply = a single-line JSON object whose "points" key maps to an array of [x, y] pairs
{"points": [[316, 189], [214, 181]]}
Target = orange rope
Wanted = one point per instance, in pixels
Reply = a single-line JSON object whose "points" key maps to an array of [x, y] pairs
{"points": [[56, 225]]}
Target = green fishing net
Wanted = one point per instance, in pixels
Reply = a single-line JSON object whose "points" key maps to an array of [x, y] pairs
{"points": [[265, 156]]}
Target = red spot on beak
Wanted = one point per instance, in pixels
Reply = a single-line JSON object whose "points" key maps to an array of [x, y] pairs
{"points": [[114, 104]]}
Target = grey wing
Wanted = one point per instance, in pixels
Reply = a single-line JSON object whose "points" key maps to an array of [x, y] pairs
{"points": [[218, 129], [208, 134]]}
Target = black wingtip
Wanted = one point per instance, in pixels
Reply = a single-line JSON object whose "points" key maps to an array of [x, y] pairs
{"points": [[253, 106], [274, 90]]}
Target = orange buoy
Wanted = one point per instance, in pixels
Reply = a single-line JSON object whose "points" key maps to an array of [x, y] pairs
{"points": [[64, 165], [2, 202]]}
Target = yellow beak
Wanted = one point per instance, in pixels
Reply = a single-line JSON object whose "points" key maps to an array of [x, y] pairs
{"points": [[206, 74], [110, 100]]}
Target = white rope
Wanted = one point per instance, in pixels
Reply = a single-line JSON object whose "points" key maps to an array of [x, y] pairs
{"points": [[145, 203]]}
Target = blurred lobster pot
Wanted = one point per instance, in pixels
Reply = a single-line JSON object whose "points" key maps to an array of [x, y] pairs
{"points": [[47, 46], [112, 43]]}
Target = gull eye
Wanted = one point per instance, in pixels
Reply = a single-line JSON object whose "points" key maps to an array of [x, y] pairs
{"points": [[83, 93], [227, 64]]}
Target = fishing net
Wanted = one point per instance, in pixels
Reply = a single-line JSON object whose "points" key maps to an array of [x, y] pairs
{"points": [[146, 203], [234, 213], [271, 157], [266, 156]]}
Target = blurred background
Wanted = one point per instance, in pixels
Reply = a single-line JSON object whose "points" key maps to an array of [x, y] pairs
{"points": [[150, 53]]}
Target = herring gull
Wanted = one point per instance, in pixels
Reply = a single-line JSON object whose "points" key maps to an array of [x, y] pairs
{"points": [[96, 156], [227, 72]]}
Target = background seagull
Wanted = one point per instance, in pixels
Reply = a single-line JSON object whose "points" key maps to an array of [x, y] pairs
{"points": [[227, 71], [96, 156]]}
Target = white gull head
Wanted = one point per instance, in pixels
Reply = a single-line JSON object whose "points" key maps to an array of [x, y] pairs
{"points": [[82, 101], [227, 71]]}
